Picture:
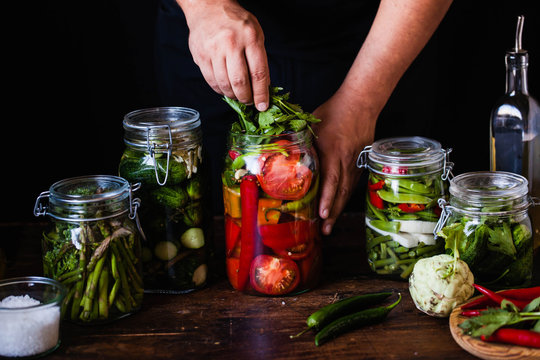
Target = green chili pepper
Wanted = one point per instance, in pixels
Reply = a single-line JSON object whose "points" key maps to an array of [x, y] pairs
{"points": [[353, 321], [331, 312], [297, 205], [398, 198]]}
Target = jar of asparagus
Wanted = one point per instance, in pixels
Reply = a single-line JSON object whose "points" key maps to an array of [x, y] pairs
{"points": [[93, 246], [163, 151], [407, 176], [486, 223]]}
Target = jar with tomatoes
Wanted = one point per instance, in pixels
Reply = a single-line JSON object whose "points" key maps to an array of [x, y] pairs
{"points": [[270, 193], [407, 176]]}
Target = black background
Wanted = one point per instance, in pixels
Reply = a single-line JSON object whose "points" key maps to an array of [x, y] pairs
{"points": [[75, 68]]}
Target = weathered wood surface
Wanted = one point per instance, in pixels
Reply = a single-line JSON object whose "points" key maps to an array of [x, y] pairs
{"points": [[218, 322]]}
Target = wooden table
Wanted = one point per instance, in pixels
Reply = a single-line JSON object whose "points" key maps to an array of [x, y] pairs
{"points": [[218, 322]]}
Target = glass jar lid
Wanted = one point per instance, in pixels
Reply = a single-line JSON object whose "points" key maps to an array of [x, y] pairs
{"points": [[162, 126], [489, 191], [88, 198], [405, 156]]}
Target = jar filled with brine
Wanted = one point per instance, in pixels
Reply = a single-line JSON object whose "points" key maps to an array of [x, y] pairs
{"points": [[270, 193], [407, 176], [486, 222], [164, 153], [93, 246]]}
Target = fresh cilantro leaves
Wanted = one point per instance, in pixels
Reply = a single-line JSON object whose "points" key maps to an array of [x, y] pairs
{"points": [[281, 116]]}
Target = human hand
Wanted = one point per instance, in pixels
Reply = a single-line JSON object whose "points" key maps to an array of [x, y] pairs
{"points": [[346, 128], [227, 43]]}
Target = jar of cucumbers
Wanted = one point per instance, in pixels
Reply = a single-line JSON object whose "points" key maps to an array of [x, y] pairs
{"points": [[407, 176], [93, 246], [164, 153]]}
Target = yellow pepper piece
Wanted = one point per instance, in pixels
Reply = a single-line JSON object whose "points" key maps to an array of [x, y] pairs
{"points": [[231, 201]]}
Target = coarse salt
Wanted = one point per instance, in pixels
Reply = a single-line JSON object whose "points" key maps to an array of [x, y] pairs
{"points": [[26, 332]]}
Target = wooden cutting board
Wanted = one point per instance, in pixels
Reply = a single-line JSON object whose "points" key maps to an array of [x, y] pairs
{"points": [[487, 350]]}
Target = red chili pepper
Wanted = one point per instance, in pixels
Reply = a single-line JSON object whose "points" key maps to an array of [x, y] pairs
{"points": [[233, 154], [482, 301], [249, 237], [522, 294], [376, 200], [232, 233], [287, 235], [396, 170], [525, 294], [498, 298], [411, 208], [513, 336], [471, 313], [375, 186]]}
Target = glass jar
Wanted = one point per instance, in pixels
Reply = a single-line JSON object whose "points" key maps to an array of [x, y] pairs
{"points": [[270, 194], [164, 153], [407, 175], [487, 223], [93, 246]]}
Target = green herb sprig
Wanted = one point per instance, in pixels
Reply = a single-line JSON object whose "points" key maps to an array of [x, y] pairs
{"points": [[508, 315], [281, 116]]}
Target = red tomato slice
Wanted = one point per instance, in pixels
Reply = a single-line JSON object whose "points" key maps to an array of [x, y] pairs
{"points": [[272, 275], [284, 177]]}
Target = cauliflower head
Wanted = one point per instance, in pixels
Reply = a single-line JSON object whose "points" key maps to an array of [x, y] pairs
{"points": [[440, 283]]}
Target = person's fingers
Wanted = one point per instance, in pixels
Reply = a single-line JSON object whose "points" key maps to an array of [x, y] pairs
{"points": [[208, 74], [342, 194], [259, 73], [329, 185], [221, 75], [238, 74]]}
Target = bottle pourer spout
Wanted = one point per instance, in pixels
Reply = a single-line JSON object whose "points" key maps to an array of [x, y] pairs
{"points": [[519, 33]]}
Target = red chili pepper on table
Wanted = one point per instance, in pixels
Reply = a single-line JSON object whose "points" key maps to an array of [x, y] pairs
{"points": [[513, 336], [497, 298], [472, 312], [249, 236], [525, 294]]}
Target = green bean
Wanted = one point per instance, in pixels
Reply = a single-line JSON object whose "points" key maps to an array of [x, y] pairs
{"points": [[378, 240], [410, 185], [378, 213], [398, 198], [389, 226]]}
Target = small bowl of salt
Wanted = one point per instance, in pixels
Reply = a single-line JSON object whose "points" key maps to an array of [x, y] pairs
{"points": [[30, 316]]}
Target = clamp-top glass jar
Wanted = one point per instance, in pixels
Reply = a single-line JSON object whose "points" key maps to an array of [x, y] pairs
{"points": [[487, 222], [270, 193], [93, 246], [164, 153], [407, 175]]}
